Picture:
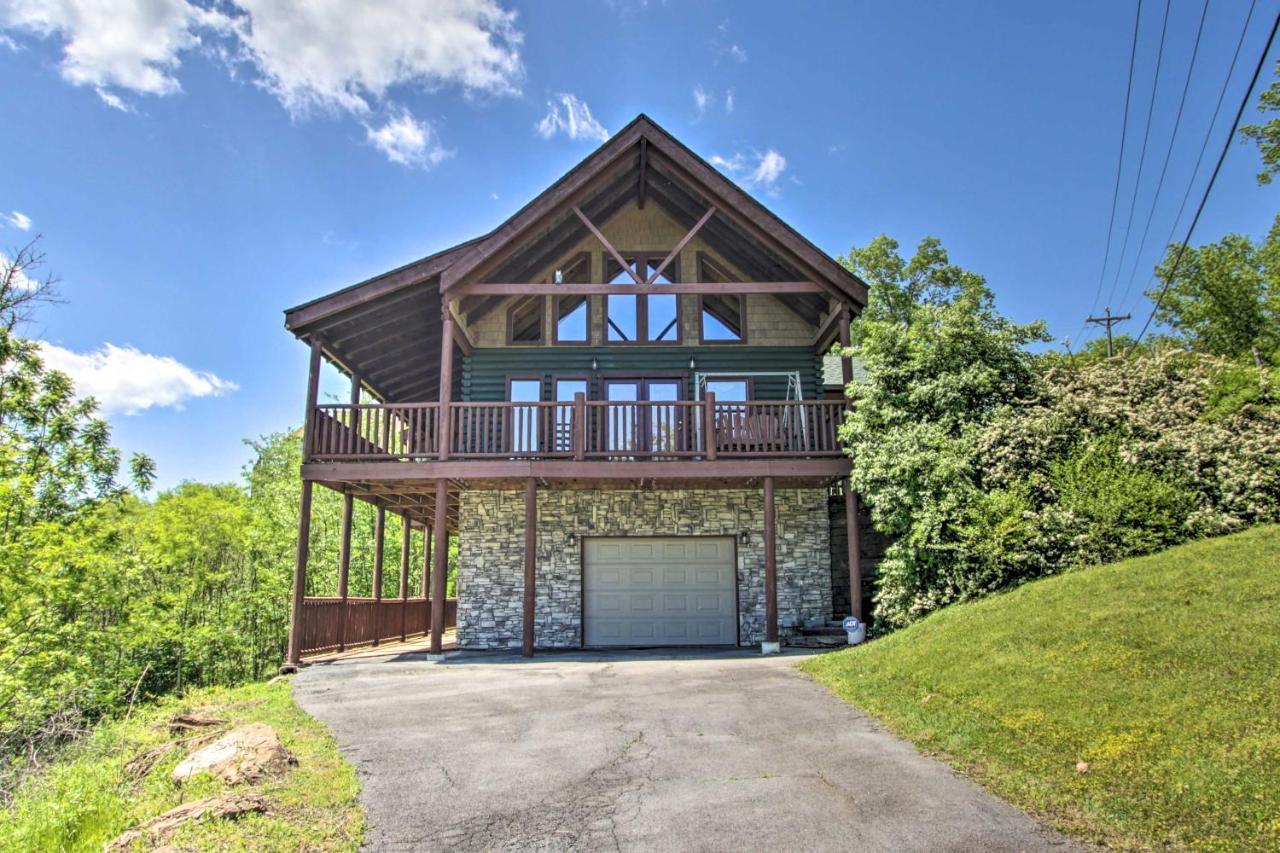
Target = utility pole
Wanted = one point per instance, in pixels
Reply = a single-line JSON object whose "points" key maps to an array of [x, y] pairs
{"points": [[1108, 320]]}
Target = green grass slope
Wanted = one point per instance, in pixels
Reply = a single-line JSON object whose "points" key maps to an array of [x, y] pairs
{"points": [[1161, 674], [86, 798]]}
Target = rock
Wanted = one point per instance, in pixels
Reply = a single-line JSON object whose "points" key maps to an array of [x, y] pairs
{"points": [[1082, 767], [140, 765], [158, 828], [246, 754]]}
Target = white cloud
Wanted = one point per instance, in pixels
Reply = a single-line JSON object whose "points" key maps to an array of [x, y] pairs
{"points": [[19, 220], [114, 101], [729, 102], [738, 52], [757, 170], [701, 99], [133, 46], [333, 54], [308, 53], [128, 381], [407, 141], [572, 117]]}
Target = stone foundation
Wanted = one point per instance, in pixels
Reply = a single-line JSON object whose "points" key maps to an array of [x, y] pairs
{"points": [[491, 555]]}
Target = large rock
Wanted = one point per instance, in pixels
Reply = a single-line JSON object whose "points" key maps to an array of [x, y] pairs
{"points": [[246, 754]]}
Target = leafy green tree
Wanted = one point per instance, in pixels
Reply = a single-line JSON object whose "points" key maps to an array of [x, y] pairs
{"points": [[1225, 298], [1267, 134], [940, 363]]}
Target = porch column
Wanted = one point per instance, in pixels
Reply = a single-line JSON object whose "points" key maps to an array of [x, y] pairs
{"points": [[379, 531], [530, 560], [441, 567], [446, 376], [770, 646], [850, 499], [426, 560], [344, 566], [405, 532], [294, 656]]}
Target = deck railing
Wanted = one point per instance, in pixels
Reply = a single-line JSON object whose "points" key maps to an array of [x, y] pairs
{"points": [[330, 624], [582, 429]]}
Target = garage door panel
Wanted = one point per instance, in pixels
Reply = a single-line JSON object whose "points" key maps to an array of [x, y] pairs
{"points": [[659, 591]]}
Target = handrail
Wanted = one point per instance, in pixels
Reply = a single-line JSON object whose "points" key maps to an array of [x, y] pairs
{"points": [[579, 429]]}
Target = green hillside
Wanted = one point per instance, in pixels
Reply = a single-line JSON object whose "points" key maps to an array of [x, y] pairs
{"points": [[1136, 703]]}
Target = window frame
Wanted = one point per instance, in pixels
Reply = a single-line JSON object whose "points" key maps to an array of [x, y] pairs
{"points": [[641, 258], [705, 260]]}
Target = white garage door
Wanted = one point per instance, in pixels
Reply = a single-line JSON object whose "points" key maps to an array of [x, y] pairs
{"points": [[659, 591]]}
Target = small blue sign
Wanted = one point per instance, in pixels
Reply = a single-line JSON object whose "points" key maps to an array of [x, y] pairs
{"points": [[851, 624]]}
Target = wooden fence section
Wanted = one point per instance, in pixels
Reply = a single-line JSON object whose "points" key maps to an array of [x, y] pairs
{"points": [[596, 429], [328, 625]]}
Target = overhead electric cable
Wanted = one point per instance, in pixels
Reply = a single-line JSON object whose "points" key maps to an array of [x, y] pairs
{"points": [[1164, 170], [1226, 146], [1142, 157], [1115, 193]]}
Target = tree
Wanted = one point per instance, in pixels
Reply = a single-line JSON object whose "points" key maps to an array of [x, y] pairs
{"points": [[940, 363], [1267, 135], [1225, 297]]}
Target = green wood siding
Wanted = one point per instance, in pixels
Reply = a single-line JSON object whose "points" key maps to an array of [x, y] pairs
{"points": [[485, 372]]}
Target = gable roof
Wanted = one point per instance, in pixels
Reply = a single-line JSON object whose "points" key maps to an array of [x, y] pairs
{"points": [[730, 199], [372, 326]]}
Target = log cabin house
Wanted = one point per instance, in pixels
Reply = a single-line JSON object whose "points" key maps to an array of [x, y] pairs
{"points": [[615, 402]]}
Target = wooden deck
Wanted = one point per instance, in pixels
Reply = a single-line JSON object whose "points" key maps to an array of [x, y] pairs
{"points": [[582, 430]]}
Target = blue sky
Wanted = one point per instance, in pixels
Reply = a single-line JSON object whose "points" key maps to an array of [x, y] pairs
{"points": [[196, 169]]}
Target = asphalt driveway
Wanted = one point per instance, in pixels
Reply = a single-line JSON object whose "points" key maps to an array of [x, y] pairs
{"points": [[634, 751]]}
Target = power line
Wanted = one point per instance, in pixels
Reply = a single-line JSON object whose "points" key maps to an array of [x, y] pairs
{"points": [[1164, 170], [1208, 133], [1146, 134], [1226, 146], [1115, 193]]}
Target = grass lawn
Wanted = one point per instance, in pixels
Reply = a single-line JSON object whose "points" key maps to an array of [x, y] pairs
{"points": [[86, 799], [1162, 674]]}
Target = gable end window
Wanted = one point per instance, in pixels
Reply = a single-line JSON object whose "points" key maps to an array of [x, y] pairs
{"points": [[722, 316], [525, 320], [652, 318], [571, 315]]}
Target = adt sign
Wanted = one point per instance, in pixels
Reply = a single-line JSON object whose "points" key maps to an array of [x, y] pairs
{"points": [[855, 629]]}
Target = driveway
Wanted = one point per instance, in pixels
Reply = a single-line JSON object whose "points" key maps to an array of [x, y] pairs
{"points": [[638, 751]]}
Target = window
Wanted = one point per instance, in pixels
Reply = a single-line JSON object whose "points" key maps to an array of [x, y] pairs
{"points": [[651, 318], [523, 421], [572, 313], [729, 390], [723, 315], [525, 321]]}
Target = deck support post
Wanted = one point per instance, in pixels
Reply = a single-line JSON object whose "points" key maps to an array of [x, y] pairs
{"points": [[426, 576], [446, 377], [530, 561], [441, 567], [313, 393], [853, 533], [770, 646], [853, 539], [344, 567], [379, 533], [299, 579], [405, 532]]}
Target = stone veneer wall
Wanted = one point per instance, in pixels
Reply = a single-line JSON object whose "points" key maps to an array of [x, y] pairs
{"points": [[491, 555]]}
